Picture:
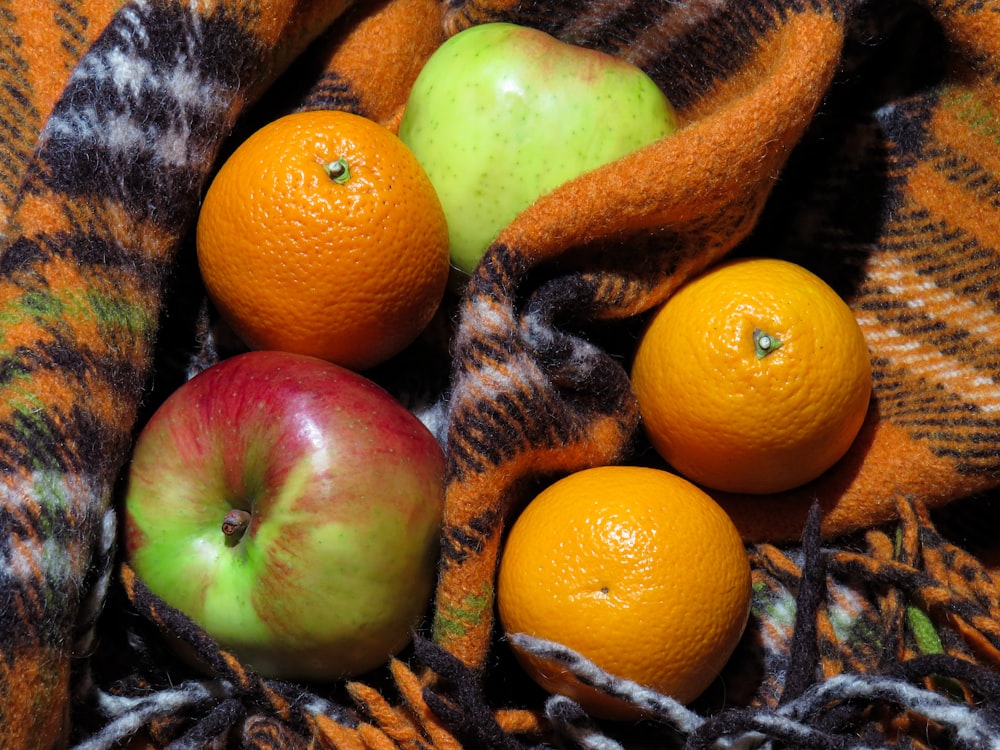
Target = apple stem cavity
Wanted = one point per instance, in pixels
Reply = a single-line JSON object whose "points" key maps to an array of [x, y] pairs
{"points": [[764, 343], [338, 171], [235, 524]]}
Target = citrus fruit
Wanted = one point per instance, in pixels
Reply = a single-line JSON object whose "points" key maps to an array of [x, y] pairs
{"points": [[322, 235], [754, 377], [636, 569]]}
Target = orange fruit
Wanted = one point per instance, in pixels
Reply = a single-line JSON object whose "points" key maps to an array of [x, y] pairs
{"points": [[634, 568], [754, 377], [321, 234]]}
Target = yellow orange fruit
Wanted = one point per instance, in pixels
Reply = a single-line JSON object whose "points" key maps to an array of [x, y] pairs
{"points": [[753, 377], [321, 234], [634, 568]]}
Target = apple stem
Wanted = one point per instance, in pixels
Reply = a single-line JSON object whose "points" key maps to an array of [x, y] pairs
{"points": [[235, 524]]}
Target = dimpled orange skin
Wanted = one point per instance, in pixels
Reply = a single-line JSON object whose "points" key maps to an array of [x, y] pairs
{"points": [[634, 568], [732, 421], [293, 260]]}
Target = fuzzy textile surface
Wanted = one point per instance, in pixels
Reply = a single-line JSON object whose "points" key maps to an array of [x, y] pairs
{"points": [[860, 139]]}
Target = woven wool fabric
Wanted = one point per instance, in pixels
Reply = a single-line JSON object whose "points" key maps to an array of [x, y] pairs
{"points": [[856, 138]]}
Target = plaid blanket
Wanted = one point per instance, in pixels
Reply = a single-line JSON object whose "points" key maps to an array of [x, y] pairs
{"points": [[856, 137]]}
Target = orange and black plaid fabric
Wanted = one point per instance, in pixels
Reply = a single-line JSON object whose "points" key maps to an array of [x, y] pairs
{"points": [[856, 137], [110, 125]]}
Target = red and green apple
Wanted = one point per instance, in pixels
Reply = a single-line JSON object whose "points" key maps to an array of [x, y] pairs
{"points": [[291, 508], [501, 114]]}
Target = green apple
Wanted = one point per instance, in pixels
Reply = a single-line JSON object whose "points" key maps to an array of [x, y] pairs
{"points": [[501, 114]]}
